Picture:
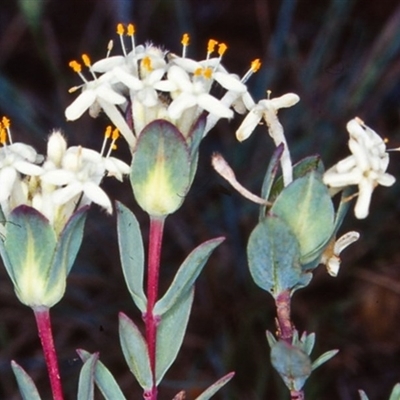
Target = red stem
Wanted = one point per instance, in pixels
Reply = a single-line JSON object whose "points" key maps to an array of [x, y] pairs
{"points": [[42, 316], [151, 320]]}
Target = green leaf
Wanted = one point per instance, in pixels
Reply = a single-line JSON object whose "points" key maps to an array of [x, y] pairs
{"points": [[270, 177], [25, 383], [196, 135], [86, 385], [132, 254], [160, 173], [322, 359], [273, 254], [103, 379], [193, 140], [308, 342], [344, 206], [30, 245], [300, 169], [306, 206], [70, 240], [135, 351], [363, 395], [395, 395], [207, 394], [271, 339], [186, 275], [68, 245], [170, 333], [292, 364]]}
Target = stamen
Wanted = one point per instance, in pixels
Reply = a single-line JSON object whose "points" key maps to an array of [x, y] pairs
{"points": [[6, 122], [74, 89], [88, 64], [86, 60], [254, 67], [222, 49], [130, 30], [3, 135], [131, 33], [107, 134], [146, 63], [207, 73], [185, 44], [198, 72], [77, 67], [5, 131], [120, 29], [113, 146], [120, 32], [211, 47], [269, 94], [109, 48]]}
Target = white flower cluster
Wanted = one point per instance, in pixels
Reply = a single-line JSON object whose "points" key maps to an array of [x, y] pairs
{"points": [[366, 167], [147, 83], [58, 184]]}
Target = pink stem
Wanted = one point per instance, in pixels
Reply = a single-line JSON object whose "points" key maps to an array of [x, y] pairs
{"points": [[42, 315], [286, 329], [151, 320], [285, 326]]}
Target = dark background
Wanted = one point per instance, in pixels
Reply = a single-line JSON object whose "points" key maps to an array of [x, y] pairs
{"points": [[342, 58]]}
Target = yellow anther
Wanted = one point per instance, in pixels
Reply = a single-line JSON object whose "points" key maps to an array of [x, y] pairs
{"points": [[75, 66], [114, 147], [211, 46], [207, 73], [185, 39], [198, 71], [146, 63], [222, 49], [107, 132], [86, 60], [385, 140], [130, 30], [255, 65], [6, 122], [110, 45], [3, 136], [120, 29], [74, 89], [115, 134]]}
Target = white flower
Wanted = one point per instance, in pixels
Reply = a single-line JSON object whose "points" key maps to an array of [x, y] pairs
{"points": [[240, 100], [16, 159], [192, 93], [366, 167], [331, 256], [99, 93], [268, 109], [77, 171], [81, 173], [99, 90]]}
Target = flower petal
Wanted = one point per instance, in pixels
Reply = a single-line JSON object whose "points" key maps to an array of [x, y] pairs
{"points": [[97, 195], [80, 105]]}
